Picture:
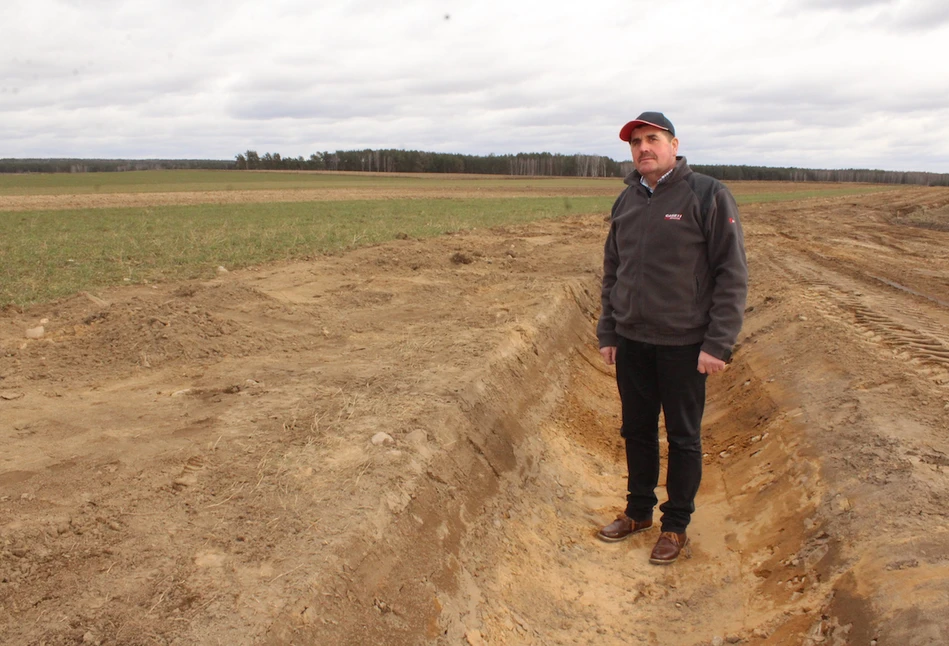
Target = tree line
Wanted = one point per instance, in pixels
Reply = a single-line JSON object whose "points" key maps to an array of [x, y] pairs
{"points": [[68, 165], [416, 161], [548, 164], [788, 174]]}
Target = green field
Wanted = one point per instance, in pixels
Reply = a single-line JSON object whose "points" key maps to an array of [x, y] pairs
{"points": [[176, 181], [45, 255], [50, 254], [212, 180]]}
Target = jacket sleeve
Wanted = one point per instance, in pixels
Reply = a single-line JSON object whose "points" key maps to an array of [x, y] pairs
{"points": [[606, 326], [729, 271]]}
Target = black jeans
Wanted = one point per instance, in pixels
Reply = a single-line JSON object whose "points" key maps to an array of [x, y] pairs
{"points": [[650, 378]]}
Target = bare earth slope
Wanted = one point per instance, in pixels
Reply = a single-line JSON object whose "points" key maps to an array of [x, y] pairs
{"points": [[200, 463]]}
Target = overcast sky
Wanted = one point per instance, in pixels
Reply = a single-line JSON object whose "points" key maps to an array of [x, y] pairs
{"points": [[813, 83]]}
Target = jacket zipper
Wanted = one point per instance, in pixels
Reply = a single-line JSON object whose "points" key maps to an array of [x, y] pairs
{"points": [[641, 296]]}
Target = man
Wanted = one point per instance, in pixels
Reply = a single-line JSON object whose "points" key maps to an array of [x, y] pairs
{"points": [[675, 280]]}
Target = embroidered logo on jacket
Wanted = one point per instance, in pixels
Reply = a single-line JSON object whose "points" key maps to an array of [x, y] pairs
{"points": [[673, 216]]}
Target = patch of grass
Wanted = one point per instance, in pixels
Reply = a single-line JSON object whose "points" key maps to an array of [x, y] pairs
{"points": [[45, 255], [936, 219], [174, 181], [745, 193]]}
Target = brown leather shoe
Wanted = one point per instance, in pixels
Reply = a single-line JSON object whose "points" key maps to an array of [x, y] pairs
{"points": [[623, 527], [667, 548]]}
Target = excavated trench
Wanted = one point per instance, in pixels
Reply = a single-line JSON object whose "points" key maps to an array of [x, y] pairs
{"points": [[498, 544]]}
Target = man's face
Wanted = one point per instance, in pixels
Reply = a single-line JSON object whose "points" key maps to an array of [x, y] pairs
{"points": [[654, 151]]}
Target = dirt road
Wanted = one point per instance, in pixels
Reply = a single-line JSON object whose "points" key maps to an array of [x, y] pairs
{"points": [[414, 443]]}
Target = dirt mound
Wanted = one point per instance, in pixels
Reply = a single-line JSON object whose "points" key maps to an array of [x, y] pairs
{"points": [[390, 446], [86, 338]]}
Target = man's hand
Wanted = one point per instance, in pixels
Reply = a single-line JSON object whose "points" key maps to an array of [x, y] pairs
{"points": [[708, 365], [609, 354]]}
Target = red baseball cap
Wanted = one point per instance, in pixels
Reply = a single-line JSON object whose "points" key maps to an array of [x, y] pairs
{"points": [[655, 119]]}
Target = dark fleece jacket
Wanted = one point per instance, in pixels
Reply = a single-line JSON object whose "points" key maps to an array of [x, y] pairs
{"points": [[674, 268]]}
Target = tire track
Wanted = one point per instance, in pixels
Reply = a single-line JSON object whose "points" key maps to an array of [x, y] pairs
{"points": [[879, 317]]}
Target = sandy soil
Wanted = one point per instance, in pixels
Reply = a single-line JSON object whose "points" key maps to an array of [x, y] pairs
{"points": [[202, 463]]}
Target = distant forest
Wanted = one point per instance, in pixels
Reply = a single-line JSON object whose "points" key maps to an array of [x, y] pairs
{"points": [[547, 164], [415, 161], [108, 165]]}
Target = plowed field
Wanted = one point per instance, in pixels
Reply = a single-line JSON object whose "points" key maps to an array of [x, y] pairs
{"points": [[415, 443]]}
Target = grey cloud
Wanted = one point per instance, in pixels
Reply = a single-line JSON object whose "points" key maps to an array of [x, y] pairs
{"points": [[295, 72], [99, 91], [27, 70], [285, 95], [889, 15], [919, 15], [397, 78], [823, 103], [861, 140], [313, 108], [447, 83], [546, 118], [845, 4], [317, 101]]}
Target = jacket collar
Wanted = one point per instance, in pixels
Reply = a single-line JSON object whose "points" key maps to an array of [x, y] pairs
{"points": [[680, 170]]}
